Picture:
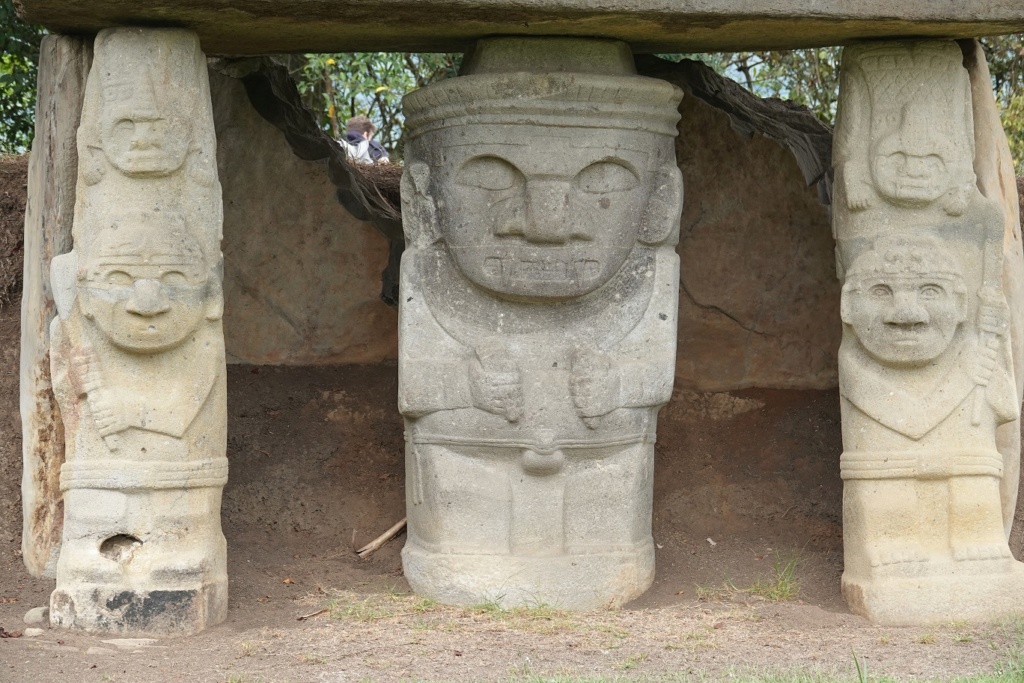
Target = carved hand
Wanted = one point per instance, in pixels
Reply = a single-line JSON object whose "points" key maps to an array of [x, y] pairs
{"points": [[993, 321], [105, 407], [994, 313], [859, 194], [594, 384], [495, 382], [956, 200]]}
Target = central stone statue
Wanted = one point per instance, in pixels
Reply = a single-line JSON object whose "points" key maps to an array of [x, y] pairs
{"points": [[541, 200]]}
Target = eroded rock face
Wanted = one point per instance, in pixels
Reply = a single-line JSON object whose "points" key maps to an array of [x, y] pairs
{"points": [[137, 349], [926, 365], [537, 323]]}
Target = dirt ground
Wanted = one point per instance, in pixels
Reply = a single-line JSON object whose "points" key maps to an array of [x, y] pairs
{"points": [[745, 484]]}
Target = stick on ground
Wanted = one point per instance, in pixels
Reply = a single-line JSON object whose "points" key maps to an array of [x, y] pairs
{"points": [[376, 543]]}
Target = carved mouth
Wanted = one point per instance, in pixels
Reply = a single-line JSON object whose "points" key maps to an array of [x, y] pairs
{"points": [[542, 270]]}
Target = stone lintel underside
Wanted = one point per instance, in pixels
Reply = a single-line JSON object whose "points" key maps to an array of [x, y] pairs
{"points": [[239, 27]]}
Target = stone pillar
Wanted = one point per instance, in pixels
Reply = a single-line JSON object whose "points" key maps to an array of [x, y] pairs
{"points": [[930, 304], [137, 352], [537, 322], [63, 67]]}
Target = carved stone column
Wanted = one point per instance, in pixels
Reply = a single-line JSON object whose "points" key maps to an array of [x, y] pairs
{"points": [[537, 323], [137, 348], [926, 367]]}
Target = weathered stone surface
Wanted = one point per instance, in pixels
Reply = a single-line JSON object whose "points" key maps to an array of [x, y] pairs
{"points": [[137, 351], [63, 67], [758, 296], [237, 27], [537, 323], [38, 616], [930, 261], [301, 276]]}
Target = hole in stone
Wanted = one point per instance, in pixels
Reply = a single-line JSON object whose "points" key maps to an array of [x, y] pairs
{"points": [[119, 548]]}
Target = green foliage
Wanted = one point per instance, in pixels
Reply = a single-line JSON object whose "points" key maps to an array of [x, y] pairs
{"points": [[809, 77], [19, 57], [369, 84], [1005, 55]]}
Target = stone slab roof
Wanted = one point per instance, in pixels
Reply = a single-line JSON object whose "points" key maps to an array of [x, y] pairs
{"points": [[264, 26]]}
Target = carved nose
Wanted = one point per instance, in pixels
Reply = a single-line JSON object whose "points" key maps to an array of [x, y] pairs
{"points": [[547, 212], [148, 299], [915, 167], [906, 310], [144, 136]]}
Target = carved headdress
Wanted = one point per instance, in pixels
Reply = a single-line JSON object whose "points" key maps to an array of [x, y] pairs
{"points": [[528, 82]]}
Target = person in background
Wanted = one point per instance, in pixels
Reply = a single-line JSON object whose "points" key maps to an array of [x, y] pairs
{"points": [[359, 142]]}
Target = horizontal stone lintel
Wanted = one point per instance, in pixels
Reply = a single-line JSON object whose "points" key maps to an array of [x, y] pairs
{"points": [[269, 26]]}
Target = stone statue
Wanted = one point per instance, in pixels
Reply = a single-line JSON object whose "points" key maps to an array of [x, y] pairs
{"points": [[138, 352], [925, 369], [541, 201]]}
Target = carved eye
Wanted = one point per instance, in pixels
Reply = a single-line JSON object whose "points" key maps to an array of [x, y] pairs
{"points": [[120, 278], [174, 277], [931, 291], [489, 173], [124, 127], [606, 176], [881, 291]]}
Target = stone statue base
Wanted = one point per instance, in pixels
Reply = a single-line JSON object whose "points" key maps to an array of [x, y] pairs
{"points": [[576, 582], [979, 590], [142, 562]]}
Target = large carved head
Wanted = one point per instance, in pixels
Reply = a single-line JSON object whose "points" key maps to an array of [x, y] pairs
{"points": [[146, 107], [542, 168], [905, 299], [144, 282], [919, 161], [138, 136], [922, 130]]}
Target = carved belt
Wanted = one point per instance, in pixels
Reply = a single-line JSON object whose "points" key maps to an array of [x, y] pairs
{"points": [[128, 475], [542, 456], [922, 464]]}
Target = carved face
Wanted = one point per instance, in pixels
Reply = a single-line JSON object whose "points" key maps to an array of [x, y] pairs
{"points": [[904, 320], [138, 141], [552, 215], [909, 177], [146, 295]]}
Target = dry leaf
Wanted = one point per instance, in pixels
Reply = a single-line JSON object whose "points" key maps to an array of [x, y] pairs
{"points": [[288, 581]]}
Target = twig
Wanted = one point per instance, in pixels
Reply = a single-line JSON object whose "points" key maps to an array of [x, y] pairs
{"points": [[312, 614], [376, 543]]}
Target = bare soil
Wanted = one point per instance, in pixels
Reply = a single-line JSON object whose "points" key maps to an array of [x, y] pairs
{"points": [[745, 482]]}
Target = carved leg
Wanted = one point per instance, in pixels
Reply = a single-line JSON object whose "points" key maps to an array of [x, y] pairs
{"points": [[882, 526], [976, 520], [137, 354]]}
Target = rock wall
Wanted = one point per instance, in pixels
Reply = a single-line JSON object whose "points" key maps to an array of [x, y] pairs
{"points": [[301, 275], [758, 296], [759, 299]]}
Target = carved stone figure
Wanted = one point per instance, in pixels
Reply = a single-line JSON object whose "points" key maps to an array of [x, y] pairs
{"points": [[906, 135], [925, 368], [537, 324], [137, 350]]}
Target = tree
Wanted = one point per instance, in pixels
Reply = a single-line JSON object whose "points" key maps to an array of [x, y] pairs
{"points": [[369, 84], [19, 59]]}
